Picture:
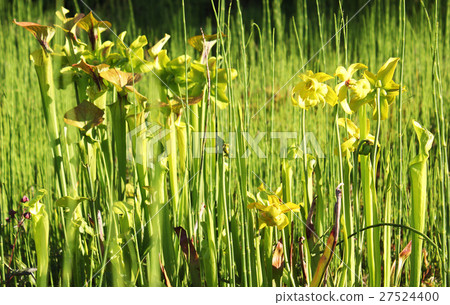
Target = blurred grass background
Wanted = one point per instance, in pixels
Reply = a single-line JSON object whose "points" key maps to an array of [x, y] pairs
{"points": [[272, 59]]}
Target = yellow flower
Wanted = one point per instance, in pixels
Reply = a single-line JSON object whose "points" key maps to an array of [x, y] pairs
{"points": [[358, 88], [311, 91], [389, 89], [272, 212], [352, 142]]}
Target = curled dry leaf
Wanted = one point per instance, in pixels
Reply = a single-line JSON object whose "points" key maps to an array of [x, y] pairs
{"points": [[88, 23], [303, 259], [330, 246], [402, 257], [187, 246], [93, 27], [278, 263], [68, 24], [164, 272], [197, 41], [84, 116], [120, 79], [92, 71], [42, 33], [310, 230], [278, 257]]}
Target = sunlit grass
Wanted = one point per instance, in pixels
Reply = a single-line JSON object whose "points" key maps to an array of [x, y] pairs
{"points": [[118, 226]]}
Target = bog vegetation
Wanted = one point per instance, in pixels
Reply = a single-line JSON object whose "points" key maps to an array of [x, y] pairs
{"points": [[140, 159]]}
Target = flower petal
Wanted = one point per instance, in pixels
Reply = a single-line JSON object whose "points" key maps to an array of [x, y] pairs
{"points": [[348, 145], [341, 72], [341, 91], [289, 207], [256, 205], [282, 222], [346, 107], [355, 67], [352, 129], [384, 107], [331, 97], [322, 77], [386, 72], [372, 78]]}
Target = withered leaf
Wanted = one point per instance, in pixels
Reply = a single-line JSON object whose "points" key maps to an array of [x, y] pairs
{"points": [[278, 257], [68, 24], [92, 71], [42, 33], [84, 116], [187, 246], [89, 22], [197, 41], [120, 79], [327, 255]]}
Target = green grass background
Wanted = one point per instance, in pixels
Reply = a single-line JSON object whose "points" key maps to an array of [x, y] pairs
{"points": [[272, 59]]}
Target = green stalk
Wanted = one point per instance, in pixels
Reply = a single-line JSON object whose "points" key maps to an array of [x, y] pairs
{"points": [[328, 253], [307, 194], [40, 230], [287, 179], [442, 143], [119, 132], [349, 251], [156, 217], [243, 125], [224, 209], [173, 165], [418, 175], [210, 260], [346, 174], [139, 146], [373, 248], [43, 66], [399, 120], [387, 230]]}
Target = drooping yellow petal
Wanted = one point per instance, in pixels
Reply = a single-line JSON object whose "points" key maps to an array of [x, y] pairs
{"points": [[355, 67], [262, 224], [297, 101], [386, 72], [372, 78], [256, 205], [331, 97], [279, 191], [345, 106], [352, 129], [341, 91], [274, 201], [384, 109], [282, 222], [341, 72], [349, 145], [306, 76], [322, 77], [289, 207]]}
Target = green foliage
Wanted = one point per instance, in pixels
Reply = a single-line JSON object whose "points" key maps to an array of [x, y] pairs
{"points": [[110, 212]]}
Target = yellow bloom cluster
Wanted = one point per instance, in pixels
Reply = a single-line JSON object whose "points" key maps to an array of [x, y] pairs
{"points": [[350, 93], [272, 211]]}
